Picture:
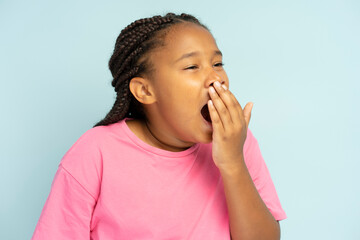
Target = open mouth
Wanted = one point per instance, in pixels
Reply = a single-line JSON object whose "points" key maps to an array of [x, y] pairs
{"points": [[205, 113]]}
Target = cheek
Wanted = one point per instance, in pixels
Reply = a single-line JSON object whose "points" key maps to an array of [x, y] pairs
{"points": [[180, 95], [182, 104], [184, 89]]}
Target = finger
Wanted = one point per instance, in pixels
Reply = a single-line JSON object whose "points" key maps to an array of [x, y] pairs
{"points": [[215, 118], [247, 113], [228, 101], [220, 107], [237, 104]]}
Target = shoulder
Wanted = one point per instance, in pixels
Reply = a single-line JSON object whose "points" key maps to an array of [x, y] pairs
{"points": [[87, 149], [94, 139], [84, 160], [84, 147]]}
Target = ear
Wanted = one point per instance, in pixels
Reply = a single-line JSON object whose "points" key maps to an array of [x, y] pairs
{"points": [[142, 91]]}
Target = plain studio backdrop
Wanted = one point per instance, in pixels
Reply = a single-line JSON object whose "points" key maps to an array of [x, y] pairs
{"points": [[298, 61]]}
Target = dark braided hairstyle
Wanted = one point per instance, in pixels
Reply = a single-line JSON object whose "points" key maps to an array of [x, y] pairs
{"points": [[129, 60]]}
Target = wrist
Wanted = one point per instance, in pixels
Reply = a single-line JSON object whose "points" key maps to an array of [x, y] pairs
{"points": [[233, 167]]}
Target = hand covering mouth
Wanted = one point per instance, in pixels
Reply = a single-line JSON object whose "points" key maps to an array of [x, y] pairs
{"points": [[205, 113]]}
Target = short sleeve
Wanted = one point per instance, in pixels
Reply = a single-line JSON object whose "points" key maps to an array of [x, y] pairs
{"points": [[261, 177], [67, 211], [74, 191]]}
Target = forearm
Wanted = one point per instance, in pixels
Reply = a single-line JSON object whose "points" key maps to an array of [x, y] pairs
{"points": [[248, 215]]}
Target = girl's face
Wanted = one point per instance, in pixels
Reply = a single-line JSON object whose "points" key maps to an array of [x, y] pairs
{"points": [[184, 69]]}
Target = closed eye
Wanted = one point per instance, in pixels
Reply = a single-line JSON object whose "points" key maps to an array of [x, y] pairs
{"points": [[220, 64], [191, 67]]}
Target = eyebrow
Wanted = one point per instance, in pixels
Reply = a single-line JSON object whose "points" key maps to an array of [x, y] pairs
{"points": [[192, 54]]}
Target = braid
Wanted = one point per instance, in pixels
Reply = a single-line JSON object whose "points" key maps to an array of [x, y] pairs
{"points": [[134, 42]]}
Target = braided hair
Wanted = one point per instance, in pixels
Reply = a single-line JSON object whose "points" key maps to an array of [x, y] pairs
{"points": [[129, 60]]}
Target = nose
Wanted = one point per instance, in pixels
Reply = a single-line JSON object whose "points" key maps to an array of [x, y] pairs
{"points": [[212, 77]]}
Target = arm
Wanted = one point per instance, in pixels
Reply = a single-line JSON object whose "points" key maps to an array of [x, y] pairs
{"points": [[249, 217]]}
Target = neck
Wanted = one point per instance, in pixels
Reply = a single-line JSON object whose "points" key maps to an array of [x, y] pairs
{"points": [[159, 143]]}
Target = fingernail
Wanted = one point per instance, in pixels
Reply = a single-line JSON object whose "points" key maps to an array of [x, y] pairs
{"points": [[217, 84], [224, 86]]}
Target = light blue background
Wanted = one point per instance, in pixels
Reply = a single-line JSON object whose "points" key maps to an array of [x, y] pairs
{"points": [[298, 61]]}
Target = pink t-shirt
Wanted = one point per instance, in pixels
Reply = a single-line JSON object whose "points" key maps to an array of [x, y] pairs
{"points": [[112, 185]]}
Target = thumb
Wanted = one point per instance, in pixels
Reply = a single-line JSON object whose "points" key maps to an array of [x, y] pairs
{"points": [[247, 112]]}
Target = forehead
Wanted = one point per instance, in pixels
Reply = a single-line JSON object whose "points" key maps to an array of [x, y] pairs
{"points": [[188, 37]]}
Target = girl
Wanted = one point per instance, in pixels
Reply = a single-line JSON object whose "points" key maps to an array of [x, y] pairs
{"points": [[174, 158]]}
